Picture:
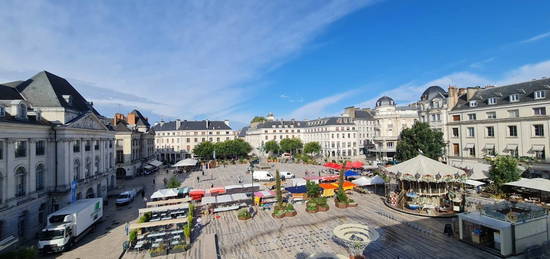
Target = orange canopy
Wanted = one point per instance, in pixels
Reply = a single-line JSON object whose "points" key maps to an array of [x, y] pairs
{"points": [[328, 186], [346, 185]]}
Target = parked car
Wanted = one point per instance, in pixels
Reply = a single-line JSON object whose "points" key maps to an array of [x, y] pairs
{"points": [[125, 198], [287, 175], [262, 176]]}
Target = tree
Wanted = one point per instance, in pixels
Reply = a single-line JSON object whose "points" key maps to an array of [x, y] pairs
{"points": [[204, 150], [504, 169], [230, 149], [291, 145], [258, 119], [312, 148], [279, 194], [420, 138], [340, 193], [313, 189], [272, 146]]}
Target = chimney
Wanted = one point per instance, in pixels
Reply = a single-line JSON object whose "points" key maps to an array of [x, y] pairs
{"points": [[118, 117], [453, 97], [470, 92], [206, 122], [161, 123], [227, 123], [178, 124], [349, 112], [132, 118]]}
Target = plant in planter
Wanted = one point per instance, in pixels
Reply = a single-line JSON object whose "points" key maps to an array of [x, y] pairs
{"points": [[159, 251], [244, 214], [187, 233], [279, 213], [311, 206], [132, 236], [178, 248], [279, 210], [290, 211], [352, 203], [322, 204], [341, 200]]}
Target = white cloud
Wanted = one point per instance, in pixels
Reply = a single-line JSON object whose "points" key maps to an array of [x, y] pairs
{"points": [[526, 73], [185, 59], [482, 63], [283, 96], [536, 38], [317, 108]]}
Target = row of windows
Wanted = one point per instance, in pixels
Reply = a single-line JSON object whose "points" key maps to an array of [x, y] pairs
{"points": [[512, 98], [77, 173], [21, 147], [21, 181], [537, 111], [539, 151], [188, 140], [87, 145], [180, 133], [512, 130]]}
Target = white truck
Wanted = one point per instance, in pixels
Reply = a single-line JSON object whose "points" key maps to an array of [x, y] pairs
{"points": [[67, 225], [126, 197], [262, 176]]}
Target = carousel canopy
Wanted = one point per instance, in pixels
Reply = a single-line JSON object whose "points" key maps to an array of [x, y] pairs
{"points": [[364, 181], [186, 162], [422, 168]]}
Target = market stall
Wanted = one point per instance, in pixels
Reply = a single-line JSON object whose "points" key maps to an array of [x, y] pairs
{"points": [[328, 189], [264, 197], [165, 194], [196, 194]]}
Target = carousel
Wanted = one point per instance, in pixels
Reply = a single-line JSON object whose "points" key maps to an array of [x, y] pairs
{"points": [[425, 186]]}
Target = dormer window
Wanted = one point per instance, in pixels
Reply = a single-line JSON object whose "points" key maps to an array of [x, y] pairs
{"points": [[492, 101], [539, 94], [514, 98], [68, 99], [473, 103]]}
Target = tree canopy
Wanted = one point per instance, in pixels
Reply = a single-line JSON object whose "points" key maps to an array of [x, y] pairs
{"points": [[420, 138], [258, 119], [312, 148], [291, 145], [272, 146], [504, 169], [228, 149]]}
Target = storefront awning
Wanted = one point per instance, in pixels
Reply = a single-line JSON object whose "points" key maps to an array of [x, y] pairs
{"points": [[511, 147], [537, 148], [489, 146]]}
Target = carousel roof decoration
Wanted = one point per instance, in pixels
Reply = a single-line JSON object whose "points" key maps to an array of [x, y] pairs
{"points": [[423, 169]]}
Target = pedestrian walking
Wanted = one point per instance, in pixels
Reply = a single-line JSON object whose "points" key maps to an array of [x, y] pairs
{"points": [[202, 172], [212, 186], [198, 179]]}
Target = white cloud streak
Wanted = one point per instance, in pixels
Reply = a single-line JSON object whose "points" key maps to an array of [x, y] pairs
{"points": [[536, 38], [183, 58], [317, 108]]}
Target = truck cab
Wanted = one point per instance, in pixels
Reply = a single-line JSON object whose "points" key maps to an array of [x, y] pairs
{"points": [[57, 236]]}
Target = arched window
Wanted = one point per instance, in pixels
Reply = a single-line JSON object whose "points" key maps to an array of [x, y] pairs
{"points": [[76, 169], [20, 180], [40, 177], [96, 165], [88, 167]]}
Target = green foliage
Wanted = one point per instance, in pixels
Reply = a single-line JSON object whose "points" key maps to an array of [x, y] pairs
{"points": [[290, 207], [191, 208], [173, 183], [312, 148], [420, 137], [145, 217], [341, 179], [187, 231], [244, 213], [132, 236], [341, 196], [321, 201], [204, 150], [504, 169], [291, 145], [272, 147], [21, 253], [258, 119], [159, 250], [279, 193], [303, 157], [279, 211], [313, 189], [311, 205]]}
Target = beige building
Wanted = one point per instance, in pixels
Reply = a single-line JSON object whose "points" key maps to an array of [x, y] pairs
{"points": [[510, 120], [175, 140], [390, 121], [433, 109], [54, 148], [135, 144]]}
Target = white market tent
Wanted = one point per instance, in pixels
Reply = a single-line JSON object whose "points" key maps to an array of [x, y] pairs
{"points": [[165, 193], [224, 198], [235, 186], [164, 208], [539, 184], [424, 166], [297, 181], [155, 163], [239, 197], [364, 181], [186, 162], [473, 182], [208, 200]]}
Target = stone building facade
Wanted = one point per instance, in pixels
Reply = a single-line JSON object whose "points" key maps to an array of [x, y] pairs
{"points": [[54, 148]]}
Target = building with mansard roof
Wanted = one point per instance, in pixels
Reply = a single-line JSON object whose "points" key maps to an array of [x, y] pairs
{"points": [[54, 149], [175, 140]]}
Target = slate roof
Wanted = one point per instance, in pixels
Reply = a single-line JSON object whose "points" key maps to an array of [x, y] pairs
{"points": [[432, 92], [46, 90], [141, 119], [122, 126], [9, 93], [191, 125], [364, 115], [385, 100], [270, 124], [242, 132], [330, 121], [502, 94]]}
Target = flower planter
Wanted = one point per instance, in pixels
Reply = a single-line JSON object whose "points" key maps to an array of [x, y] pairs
{"points": [[278, 216], [323, 208], [291, 213], [340, 205], [353, 204], [155, 254], [312, 210], [243, 218]]}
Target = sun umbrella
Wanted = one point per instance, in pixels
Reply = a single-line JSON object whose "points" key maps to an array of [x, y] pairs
{"points": [[357, 164]]}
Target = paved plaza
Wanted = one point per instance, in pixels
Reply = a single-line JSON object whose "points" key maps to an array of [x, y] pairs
{"points": [[401, 235]]}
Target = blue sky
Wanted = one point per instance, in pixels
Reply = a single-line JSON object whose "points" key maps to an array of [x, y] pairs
{"points": [[298, 59]]}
